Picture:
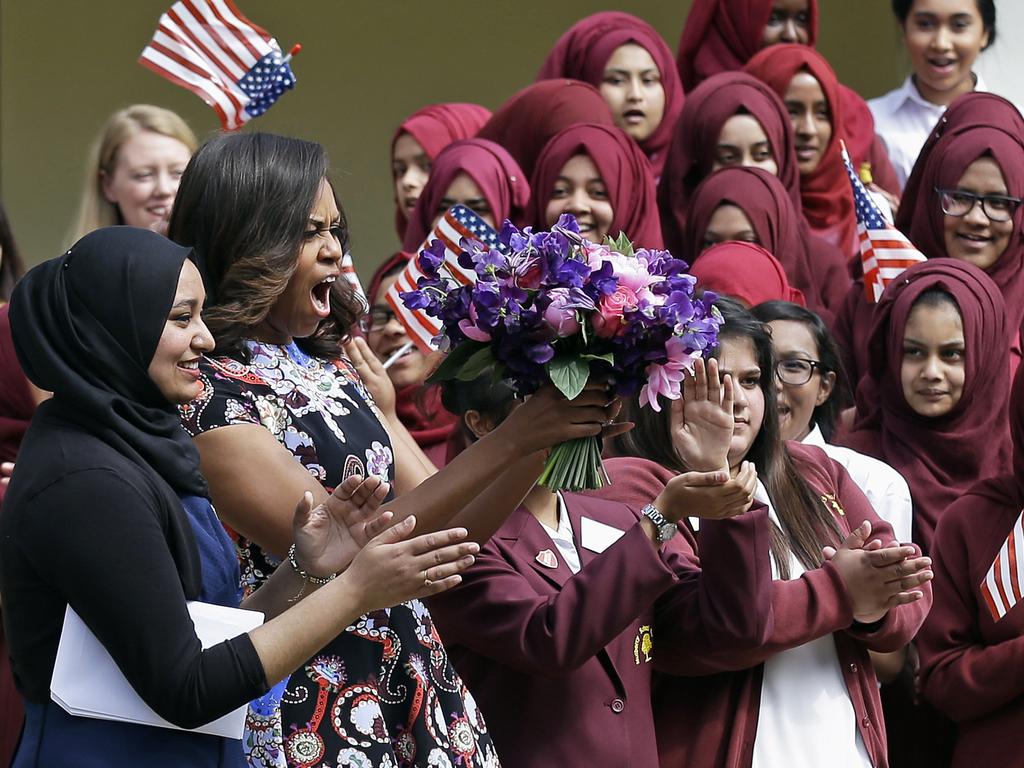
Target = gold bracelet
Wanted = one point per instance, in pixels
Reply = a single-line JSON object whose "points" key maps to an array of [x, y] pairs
{"points": [[318, 580]]}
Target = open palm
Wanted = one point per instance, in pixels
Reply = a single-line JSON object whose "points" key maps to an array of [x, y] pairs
{"points": [[330, 535], [703, 434]]}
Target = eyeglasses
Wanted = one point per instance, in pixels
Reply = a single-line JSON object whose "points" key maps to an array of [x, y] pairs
{"points": [[376, 319], [796, 371], [999, 208]]}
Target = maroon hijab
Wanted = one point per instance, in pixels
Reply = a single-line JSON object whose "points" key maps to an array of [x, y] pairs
{"points": [[16, 403], [692, 152], [825, 193], [745, 271], [435, 127], [624, 169], [528, 120], [723, 35], [492, 168], [583, 52], [940, 458]]}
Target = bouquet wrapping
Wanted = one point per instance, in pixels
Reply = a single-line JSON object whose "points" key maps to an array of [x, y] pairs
{"points": [[551, 306]]}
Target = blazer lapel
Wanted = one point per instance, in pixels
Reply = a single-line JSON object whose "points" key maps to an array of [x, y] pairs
{"points": [[529, 540]]}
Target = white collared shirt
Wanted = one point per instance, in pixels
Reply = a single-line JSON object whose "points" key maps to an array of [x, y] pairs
{"points": [[903, 120], [562, 537], [885, 488], [806, 718]]}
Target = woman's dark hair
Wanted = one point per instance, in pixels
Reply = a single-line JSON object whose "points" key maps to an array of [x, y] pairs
{"points": [[807, 524], [244, 204], [11, 265], [827, 414], [493, 399], [986, 8]]}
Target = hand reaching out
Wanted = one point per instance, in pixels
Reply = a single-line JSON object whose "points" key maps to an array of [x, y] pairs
{"points": [[328, 536], [878, 577], [708, 495], [705, 430]]}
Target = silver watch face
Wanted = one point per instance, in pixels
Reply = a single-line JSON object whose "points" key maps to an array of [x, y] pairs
{"points": [[667, 531]]}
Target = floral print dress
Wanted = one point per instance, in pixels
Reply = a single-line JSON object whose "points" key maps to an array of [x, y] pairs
{"points": [[383, 694]]}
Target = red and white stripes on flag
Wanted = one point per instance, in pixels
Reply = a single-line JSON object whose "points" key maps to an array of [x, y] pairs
{"points": [[884, 251], [209, 47], [457, 223], [1004, 583], [348, 271]]}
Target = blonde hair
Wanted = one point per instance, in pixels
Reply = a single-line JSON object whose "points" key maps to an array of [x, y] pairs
{"points": [[95, 210]]}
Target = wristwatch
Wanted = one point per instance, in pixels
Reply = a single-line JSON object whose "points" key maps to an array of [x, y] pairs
{"points": [[666, 528]]}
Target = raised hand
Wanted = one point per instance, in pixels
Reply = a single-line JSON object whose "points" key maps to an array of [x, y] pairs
{"points": [[708, 495], [878, 577], [705, 426], [328, 536], [392, 568], [371, 371]]}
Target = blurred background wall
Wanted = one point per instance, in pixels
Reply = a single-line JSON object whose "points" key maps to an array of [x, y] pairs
{"points": [[65, 65]]}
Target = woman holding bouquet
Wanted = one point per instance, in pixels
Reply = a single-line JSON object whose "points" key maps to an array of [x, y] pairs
{"points": [[535, 633], [599, 175], [281, 398], [841, 586]]}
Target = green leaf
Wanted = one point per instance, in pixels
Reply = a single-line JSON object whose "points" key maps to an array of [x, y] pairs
{"points": [[621, 244], [569, 374], [480, 361], [607, 357], [454, 360]]}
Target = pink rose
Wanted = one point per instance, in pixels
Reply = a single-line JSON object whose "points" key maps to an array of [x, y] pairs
{"points": [[608, 321], [560, 316]]}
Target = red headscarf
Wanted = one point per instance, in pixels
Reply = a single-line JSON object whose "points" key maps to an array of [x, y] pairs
{"points": [[745, 271], [826, 194], [528, 120], [939, 457], [492, 168], [692, 152], [723, 35], [624, 170], [942, 163], [435, 127], [583, 52]]}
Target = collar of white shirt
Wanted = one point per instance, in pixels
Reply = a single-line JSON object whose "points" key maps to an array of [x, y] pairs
{"points": [[908, 92]]}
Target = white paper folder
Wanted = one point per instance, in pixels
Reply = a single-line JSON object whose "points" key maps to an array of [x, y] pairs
{"points": [[86, 681]]}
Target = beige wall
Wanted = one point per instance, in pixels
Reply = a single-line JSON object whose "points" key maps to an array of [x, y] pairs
{"points": [[66, 64]]}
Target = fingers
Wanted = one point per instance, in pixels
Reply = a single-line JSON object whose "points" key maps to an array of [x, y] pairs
{"points": [[379, 524], [438, 539], [372, 487], [828, 552], [889, 556], [303, 509], [858, 536], [442, 563], [907, 571], [714, 383], [369, 358], [396, 532], [616, 428], [727, 394], [436, 587], [904, 598], [701, 479], [700, 377], [354, 352]]}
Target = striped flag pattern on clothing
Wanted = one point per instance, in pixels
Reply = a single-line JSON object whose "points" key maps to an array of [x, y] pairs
{"points": [[1004, 583], [457, 223], [210, 48], [884, 251]]}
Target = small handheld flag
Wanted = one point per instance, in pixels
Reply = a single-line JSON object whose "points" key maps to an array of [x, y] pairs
{"points": [[348, 271], [884, 251], [1004, 583], [210, 48], [457, 223]]}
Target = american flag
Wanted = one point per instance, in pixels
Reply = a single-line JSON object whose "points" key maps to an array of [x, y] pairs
{"points": [[209, 47], [1004, 582], [348, 271], [884, 251], [457, 223]]}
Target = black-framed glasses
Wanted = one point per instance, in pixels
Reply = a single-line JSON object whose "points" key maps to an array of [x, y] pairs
{"points": [[955, 202], [377, 318], [797, 371]]}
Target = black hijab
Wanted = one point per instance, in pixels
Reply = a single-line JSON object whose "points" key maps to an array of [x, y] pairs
{"points": [[86, 326]]}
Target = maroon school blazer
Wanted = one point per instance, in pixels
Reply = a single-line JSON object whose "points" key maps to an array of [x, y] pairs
{"points": [[561, 664], [710, 721], [972, 667]]}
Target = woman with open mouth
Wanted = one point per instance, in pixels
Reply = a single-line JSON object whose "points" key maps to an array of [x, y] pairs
{"points": [[943, 39], [600, 176], [629, 62]]}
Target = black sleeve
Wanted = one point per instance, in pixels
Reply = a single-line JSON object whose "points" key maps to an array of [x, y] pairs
{"points": [[100, 542]]}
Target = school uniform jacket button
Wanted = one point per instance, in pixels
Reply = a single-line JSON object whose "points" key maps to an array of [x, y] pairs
{"points": [[853, 668], [866, 722], [618, 705]]}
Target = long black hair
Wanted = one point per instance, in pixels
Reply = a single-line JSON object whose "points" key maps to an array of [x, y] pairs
{"points": [[244, 204], [827, 414], [806, 524]]}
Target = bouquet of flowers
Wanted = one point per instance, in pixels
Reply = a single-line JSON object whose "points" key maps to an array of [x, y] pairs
{"points": [[553, 306]]}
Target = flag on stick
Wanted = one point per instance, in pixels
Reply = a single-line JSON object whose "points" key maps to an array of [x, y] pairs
{"points": [[884, 251], [348, 271], [1004, 582], [210, 48], [457, 223]]}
